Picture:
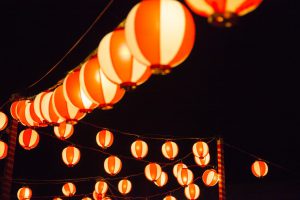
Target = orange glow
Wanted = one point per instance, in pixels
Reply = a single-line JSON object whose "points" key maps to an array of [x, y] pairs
{"points": [[162, 180], [124, 186], [169, 150], [3, 121], [63, 131], [177, 167], [153, 171], [185, 176], [112, 165], [139, 149], [69, 189], [3, 150], [70, 156], [104, 138], [259, 168], [192, 191], [24, 193], [29, 139], [200, 149], [210, 177], [202, 162]]}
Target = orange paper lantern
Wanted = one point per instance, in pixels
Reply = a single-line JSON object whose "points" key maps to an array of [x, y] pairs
{"points": [[86, 198], [185, 176], [24, 193], [3, 149], [192, 191], [3, 121], [259, 168], [112, 165], [169, 197], [101, 187], [69, 189], [63, 131], [210, 177], [70, 156], [29, 139], [153, 171], [162, 180], [177, 167], [139, 149], [200, 149], [169, 150], [104, 138], [13, 110], [124, 186], [202, 162]]}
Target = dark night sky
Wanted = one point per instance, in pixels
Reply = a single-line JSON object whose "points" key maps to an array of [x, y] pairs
{"points": [[241, 83]]}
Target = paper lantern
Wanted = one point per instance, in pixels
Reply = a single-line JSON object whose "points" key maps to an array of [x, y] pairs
{"points": [[29, 139], [222, 12], [37, 106], [86, 198], [177, 167], [70, 156], [153, 171], [124, 186], [13, 110], [20, 112], [101, 187], [97, 196], [112, 165], [139, 149], [162, 180], [210, 177], [97, 86], [3, 150], [24, 193], [169, 197], [104, 138], [202, 162], [200, 149], [259, 168], [3, 121], [160, 34], [185, 176], [69, 189], [192, 191], [57, 198], [30, 116], [63, 131], [47, 110], [169, 150]]}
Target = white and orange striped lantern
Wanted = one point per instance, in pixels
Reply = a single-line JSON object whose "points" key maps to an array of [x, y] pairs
{"points": [[3, 149], [101, 187], [13, 110], [97, 86], [37, 106], [20, 111], [222, 12], [139, 149], [202, 162], [70, 156], [3, 121], [185, 176], [29, 115], [104, 138], [153, 171], [117, 62], [259, 168], [63, 131], [29, 139], [124, 186], [24, 193], [170, 150], [192, 191], [210, 177], [97, 196], [162, 180], [169, 197], [69, 189], [112, 165], [86, 198], [177, 167], [160, 34], [200, 149]]}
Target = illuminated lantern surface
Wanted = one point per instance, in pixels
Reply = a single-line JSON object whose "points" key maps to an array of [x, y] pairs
{"points": [[153, 171], [97, 86], [177, 167], [139, 149], [3, 149], [30, 116], [37, 106], [63, 131], [200, 149], [101, 187], [210, 177], [69, 189], [185, 176], [24, 193], [112, 165], [202, 162], [20, 111], [169, 150], [29, 139], [3, 121], [57, 198], [97, 196], [13, 110], [192, 191], [117, 62], [169, 197], [104, 138], [47, 110], [162, 180], [259, 168], [86, 198], [71, 156], [124, 186], [160, 33]]}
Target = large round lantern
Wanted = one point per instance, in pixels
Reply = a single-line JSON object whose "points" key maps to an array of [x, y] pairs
{"points": [[177, 167], [69, 189], [169, 197], [70, 156], [139, 149], [192, 191], [210, 177], [47, 110], [169, 150], [20, 112], [160, 33], [200, 149], [101, 187], [104, 138], [202, 162], [3, 121], [185, 176], [29, 139], [124, 186], [97, 86], [153, 171], [117, 62], [30, 116], [259, 168], [24, 193], [63, 131], [3, 150], [37, 106], [162, 180], [112, 165]]}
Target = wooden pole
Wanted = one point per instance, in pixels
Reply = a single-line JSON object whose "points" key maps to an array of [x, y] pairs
{"points": [[221, 170]]}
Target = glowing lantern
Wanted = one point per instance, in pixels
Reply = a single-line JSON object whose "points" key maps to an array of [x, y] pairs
{"points": [[3, 149], [20, 112], [97, 196], [13, 110], [69, 189], [200, 149], [222, 12], [169, 197], [47, 110], [29, 139], [37, 106], [97, 87], [185, 176], [3, 121], [162, 180], [101, 187], [86, 198], [192, 191], [124, 186], [169, 150], [104, 138], [24, 193], [153, 171], [57, 198], [106, 198], [160, 33], [71, 156], [177, 168], [112, 165], [30, 116], [202, 162], [259, 168], [63, 130], [139, 149], [210, 177]]}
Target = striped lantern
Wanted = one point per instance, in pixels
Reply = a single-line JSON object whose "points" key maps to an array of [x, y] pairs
{"points": [[30, 116], [169, 150], [259, 168], [24, 193], [124, 186], [162, 180], [177, 167], [202, 162], [86, 198], [69, 189], [222, 12], [3, 149], [97, 196], [160, 34], [192, 191], [112, 165], [70, 156], [139, 149], [104, 138], [153, 171], [13, 110], [200, 149], [29, 139], [101, 187], [3, 121], [63, 131], [210, 177], [169, 197], [97, 86], [185, 176], [37, 106], [47, 110], [20, 112]]}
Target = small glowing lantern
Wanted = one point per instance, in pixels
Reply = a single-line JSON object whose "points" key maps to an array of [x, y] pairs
{"points": [[70, 156], [3, 150], [3, 121], [104, 138], [210, 177], [185, 176], [24, 193], [162, 180], [169, 197], [124, 186], [153, 171], [169, 150], [101, 187], [200, 149], [29, 139], [192, 191], [97, 196], [259, 168], [202, 162], [139, 149], [57, 198], [63, 131], [86, 198], [69, 189], [112, 165], [177, 167]]}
